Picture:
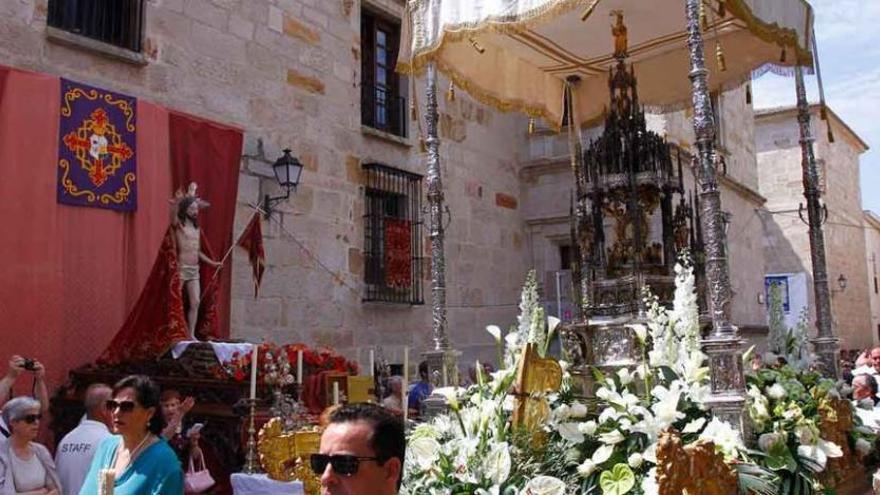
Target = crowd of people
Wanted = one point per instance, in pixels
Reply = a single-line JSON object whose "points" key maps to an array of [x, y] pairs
{"points": [[132, 436], [135, 440]]}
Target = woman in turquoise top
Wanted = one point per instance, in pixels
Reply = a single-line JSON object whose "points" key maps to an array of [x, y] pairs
{"points": [[136, 461]]}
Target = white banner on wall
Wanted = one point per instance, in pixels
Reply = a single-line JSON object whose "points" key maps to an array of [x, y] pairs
{"points": [[794, 294]]}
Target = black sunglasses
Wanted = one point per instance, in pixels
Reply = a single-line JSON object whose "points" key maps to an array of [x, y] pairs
{"points": [[31, 418], [343, 464], [124, 406]]}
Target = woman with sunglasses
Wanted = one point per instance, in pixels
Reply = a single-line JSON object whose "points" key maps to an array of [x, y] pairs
{"points": [[135, 461], [26, 467]]}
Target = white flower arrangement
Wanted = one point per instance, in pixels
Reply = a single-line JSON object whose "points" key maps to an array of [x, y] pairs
{"points": [[475, 449]]}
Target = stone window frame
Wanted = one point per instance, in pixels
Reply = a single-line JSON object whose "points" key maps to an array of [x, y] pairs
{"points": [[391, 193], [393, 119], [119, 34]]}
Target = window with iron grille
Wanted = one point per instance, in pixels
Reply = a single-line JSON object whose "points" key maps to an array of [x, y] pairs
{"points": [[383, 105], [393, 235], [115, 22]]}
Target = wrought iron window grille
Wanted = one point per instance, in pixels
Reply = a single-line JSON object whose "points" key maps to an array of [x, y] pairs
{"points": [[115, 22], [393, 261]]}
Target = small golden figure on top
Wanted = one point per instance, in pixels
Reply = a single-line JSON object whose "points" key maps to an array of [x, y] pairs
{"points": [[620, 37]]}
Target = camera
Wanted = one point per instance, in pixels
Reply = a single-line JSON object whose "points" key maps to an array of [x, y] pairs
{"points": [[29, 364]]}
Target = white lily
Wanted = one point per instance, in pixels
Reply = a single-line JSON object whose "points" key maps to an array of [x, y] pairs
{"points": [[495, 332], [612, 437]]}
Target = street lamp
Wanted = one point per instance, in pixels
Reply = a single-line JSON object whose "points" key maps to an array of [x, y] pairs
{"points": [[287, 172]]}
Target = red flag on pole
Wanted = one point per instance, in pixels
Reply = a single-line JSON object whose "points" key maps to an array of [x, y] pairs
{"points": [[252, 241]]}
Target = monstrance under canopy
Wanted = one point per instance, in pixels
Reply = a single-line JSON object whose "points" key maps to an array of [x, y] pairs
{"points": [[552, 59]]}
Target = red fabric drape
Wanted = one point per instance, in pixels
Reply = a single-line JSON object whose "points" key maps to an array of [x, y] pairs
{"points": [[209, 154], [157, 320], [69, 276]]}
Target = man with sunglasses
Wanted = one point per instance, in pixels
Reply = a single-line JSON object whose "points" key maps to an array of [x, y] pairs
{"points": [[362, 452]]}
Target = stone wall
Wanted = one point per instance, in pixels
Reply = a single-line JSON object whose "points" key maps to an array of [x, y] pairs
{"points": [[872, 249], [787, 245], [288, 72]]}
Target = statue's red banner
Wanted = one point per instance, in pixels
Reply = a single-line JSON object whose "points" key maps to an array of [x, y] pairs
{"points": [[97, 159]]}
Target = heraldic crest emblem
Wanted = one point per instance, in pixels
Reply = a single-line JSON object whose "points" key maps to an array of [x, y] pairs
{"points": [[97, 163]]}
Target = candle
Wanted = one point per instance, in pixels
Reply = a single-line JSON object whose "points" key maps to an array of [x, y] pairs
{"points": [[254, 372], [299, 367], [372, 363], [335, 393], [405, 364]]}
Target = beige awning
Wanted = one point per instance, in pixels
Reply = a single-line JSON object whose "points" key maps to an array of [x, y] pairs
{"points": [[516, 54]]}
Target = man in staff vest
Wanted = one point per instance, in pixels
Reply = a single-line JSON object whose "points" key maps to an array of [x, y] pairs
{"points": [[73, 456]]}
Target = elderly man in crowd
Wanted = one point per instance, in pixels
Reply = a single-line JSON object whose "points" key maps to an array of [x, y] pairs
{"points": [[76, 450], [868, 363], [865, 397], [362, 452]]}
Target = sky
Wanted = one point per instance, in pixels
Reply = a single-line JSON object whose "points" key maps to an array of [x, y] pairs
{"points": [[849, 55]]}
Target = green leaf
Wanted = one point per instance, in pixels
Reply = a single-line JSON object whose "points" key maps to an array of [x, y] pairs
{"points": [[618, 480], [779, 458]]}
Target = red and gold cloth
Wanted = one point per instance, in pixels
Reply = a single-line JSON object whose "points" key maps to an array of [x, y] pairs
{"points": [[157, 320], [398, 252], [97, 159], [252, 241], [70, 277]]}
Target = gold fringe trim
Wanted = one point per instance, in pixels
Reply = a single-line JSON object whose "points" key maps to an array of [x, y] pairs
{"points": [[502, 24], [768, 32]]}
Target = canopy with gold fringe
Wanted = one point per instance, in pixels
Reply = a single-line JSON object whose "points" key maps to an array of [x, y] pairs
{"points": [[516, 54]]}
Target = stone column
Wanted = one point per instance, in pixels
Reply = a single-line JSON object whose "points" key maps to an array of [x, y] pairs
{"points": [[825, 342], [723, 346], [442, 359]]}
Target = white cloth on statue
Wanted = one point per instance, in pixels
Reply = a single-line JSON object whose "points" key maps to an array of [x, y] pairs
{"points": [[74, 454], [260, 484], [864, 370], [223, 350]]}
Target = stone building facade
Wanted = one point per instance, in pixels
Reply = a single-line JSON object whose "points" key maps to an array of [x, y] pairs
{"points": [[872, 246], [289, 72], [787, 246]]}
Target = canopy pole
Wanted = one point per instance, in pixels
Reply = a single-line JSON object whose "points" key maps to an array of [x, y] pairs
{"points": [[825, 344], [723, 345], [582, 237], [442, 359]]}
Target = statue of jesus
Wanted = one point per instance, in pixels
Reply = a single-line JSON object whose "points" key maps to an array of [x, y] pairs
{"points": [[189, 252]]}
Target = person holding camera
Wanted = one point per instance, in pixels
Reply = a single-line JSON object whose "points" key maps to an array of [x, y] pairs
{"points": [[17, 366]]}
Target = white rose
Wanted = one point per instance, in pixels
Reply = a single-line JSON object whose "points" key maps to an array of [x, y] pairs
{"points": [[578, 410], [586, 468], [805, 434], [863, 446], [544, 485], [570, 432], [635, 460], [776, 391], [424, 451], [588, 428]]}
